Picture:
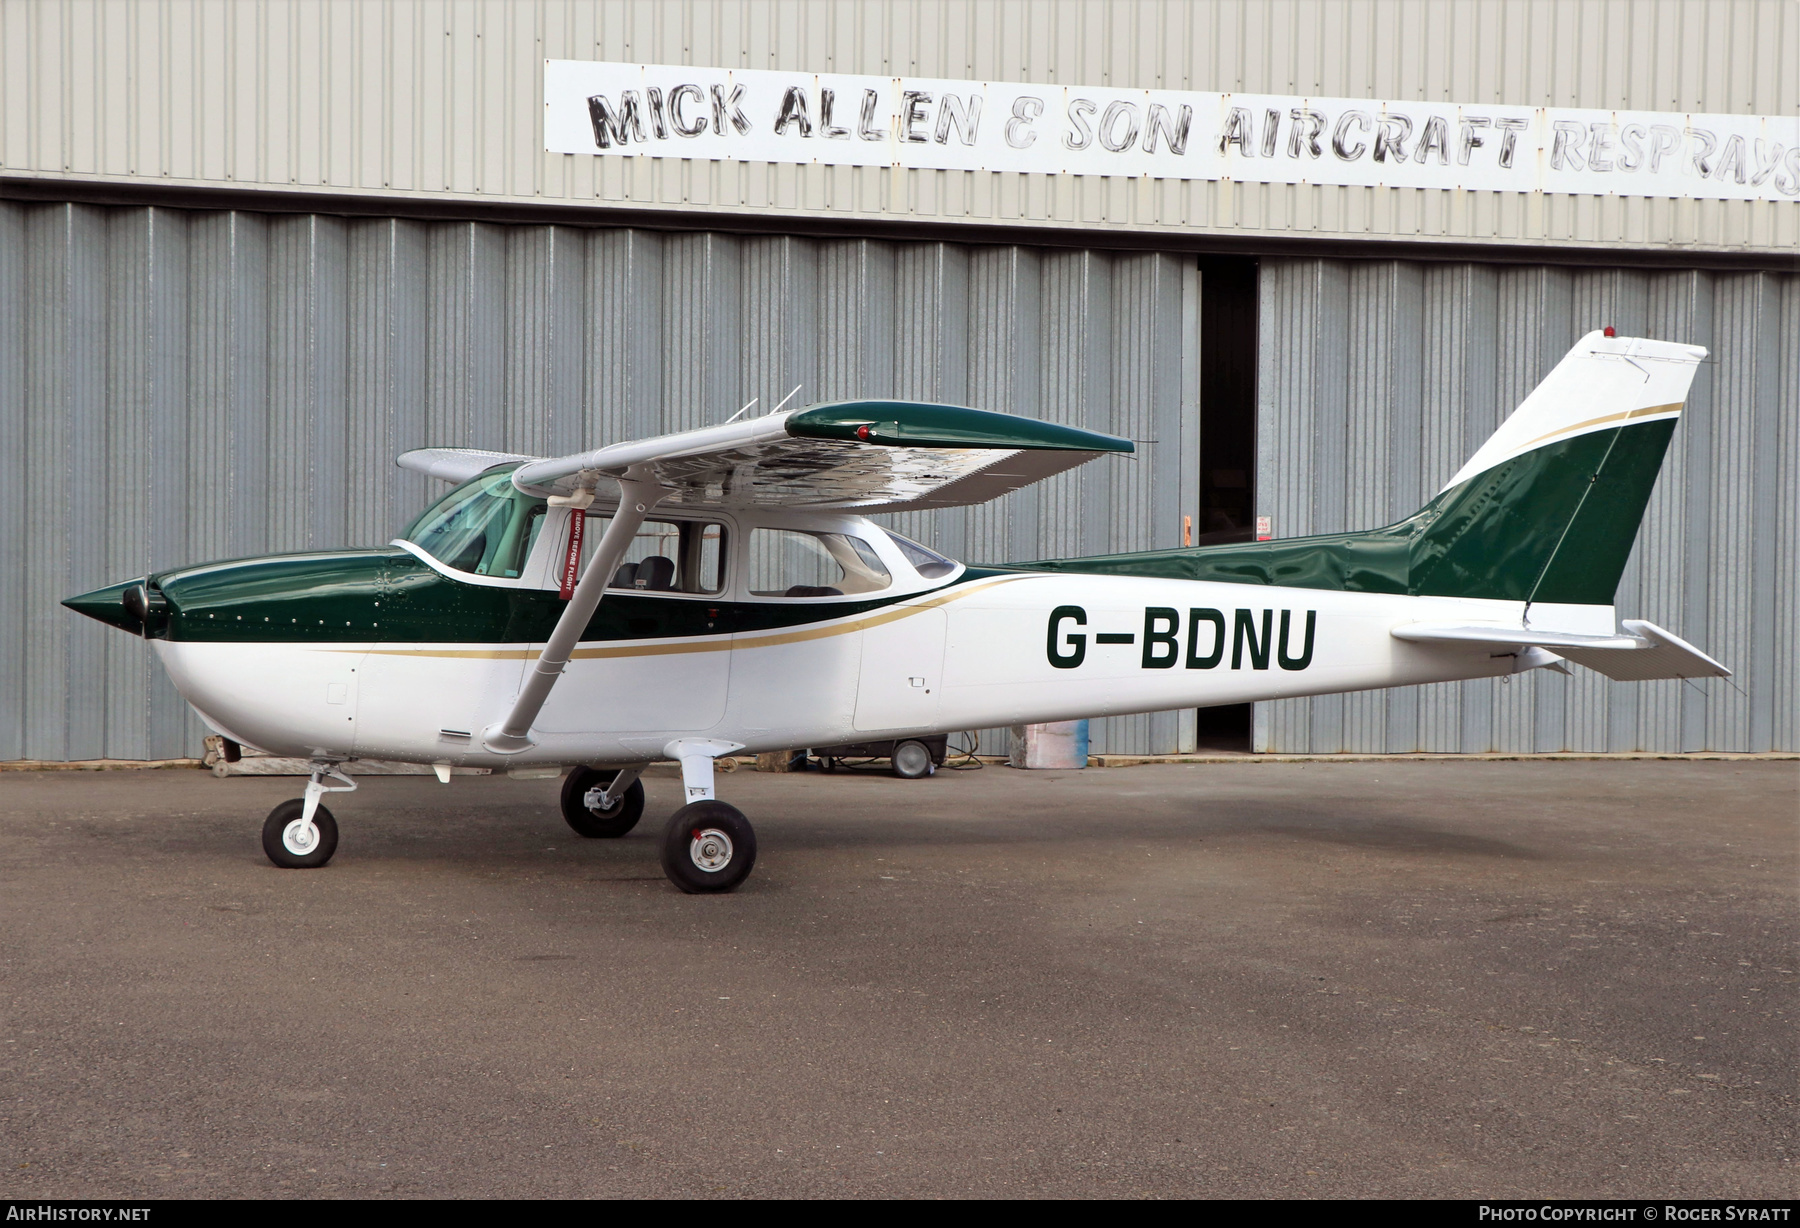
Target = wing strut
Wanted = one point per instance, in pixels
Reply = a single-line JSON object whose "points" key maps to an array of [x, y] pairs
{"points": [[637, 495]]}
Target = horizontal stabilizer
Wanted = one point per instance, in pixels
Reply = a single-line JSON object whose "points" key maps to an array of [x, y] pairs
{"points": [[1644, 652], [455, 464]]}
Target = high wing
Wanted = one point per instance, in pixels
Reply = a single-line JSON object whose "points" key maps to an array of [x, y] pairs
{"points": [[866, 455], [870, 456], [1643, 653], [455, 464]]}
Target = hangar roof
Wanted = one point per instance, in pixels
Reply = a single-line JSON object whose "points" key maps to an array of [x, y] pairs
{"points": [[437, 107]]}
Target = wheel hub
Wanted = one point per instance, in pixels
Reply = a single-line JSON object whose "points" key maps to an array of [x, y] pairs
{"points": [[710, 849], [300, 837]]}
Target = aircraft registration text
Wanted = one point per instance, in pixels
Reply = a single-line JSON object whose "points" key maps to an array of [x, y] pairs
{"points": [[1250, 637]]}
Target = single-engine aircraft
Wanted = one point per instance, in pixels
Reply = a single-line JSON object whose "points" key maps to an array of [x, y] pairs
{"points": [[722, 590]]}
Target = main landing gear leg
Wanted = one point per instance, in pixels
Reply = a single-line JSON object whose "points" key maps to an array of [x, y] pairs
{"points": [[708, 846], [300, 834]]}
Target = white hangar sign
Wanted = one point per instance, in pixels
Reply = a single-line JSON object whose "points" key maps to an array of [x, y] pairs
{"points": [[832, 119]]}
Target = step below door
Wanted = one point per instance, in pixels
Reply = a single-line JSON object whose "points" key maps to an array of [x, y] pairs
{"points": [[901, 684]]}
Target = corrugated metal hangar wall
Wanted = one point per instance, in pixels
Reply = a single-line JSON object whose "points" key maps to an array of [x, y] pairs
{"points": [[1378, 379], [247, 378]]}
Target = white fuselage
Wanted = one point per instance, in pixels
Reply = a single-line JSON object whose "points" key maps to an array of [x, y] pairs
{"points": [[943, 654]]}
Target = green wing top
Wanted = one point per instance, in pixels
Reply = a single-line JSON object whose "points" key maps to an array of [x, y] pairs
{"points": [[866, 456], [916, 424]]}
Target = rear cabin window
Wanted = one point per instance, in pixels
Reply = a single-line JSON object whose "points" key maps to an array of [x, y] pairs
{"points": [[485, 526], [926, 561], [792, 563], [666, 556]]}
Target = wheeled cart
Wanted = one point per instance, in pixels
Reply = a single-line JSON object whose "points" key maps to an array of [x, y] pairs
{"points": [[911, 757]]}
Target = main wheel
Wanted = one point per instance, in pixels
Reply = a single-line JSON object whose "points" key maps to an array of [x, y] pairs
{"points": [[911, 760], [708, 847], [600, 824], [294, 846]]}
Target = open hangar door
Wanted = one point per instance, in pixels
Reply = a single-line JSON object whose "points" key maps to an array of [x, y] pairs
{"points": [[1376, 380], [180, 385]]}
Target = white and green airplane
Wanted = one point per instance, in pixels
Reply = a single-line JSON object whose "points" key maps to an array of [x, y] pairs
{"points": [[722, 590]]}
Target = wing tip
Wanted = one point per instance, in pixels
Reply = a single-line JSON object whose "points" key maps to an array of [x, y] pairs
{"points": [[921, 424]]}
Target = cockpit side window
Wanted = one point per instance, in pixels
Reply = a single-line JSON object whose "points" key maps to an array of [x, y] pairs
{"points": [[665, 556], [795, 563], [485, 526]]}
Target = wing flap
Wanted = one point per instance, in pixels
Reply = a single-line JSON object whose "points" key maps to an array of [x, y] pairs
{"points": [[1644, 653], [1000, 476]]}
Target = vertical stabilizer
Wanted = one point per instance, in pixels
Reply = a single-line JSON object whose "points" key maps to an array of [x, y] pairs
{"points": [[1546, 510], [1603, 384]]}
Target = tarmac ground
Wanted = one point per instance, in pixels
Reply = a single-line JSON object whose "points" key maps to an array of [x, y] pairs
{"points": [[1497, 979]]}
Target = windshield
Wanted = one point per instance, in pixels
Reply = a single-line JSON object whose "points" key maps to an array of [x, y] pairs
{"points": [[484, 526]]}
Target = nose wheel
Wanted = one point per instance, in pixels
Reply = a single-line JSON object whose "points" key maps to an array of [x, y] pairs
{"points": [[300, 834], [292, 842]]}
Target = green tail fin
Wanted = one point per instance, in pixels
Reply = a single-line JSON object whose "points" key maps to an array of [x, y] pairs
{"points": [[1547, 510]]}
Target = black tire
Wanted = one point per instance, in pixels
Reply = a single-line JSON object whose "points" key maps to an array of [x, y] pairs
{"points": [[911, 760], [703, 833], [600, 824], [276, 846]]}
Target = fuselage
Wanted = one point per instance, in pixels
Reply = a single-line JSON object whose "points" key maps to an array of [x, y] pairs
{"points": [[395, 654], [734, 610]]}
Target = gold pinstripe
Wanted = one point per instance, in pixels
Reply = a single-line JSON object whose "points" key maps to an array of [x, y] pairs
{"points": [[721, 644], [1563, 431]]}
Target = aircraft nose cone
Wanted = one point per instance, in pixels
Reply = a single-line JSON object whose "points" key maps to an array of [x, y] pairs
{"points": [[112, 606]]}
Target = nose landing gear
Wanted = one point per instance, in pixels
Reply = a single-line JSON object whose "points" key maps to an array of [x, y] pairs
{"points": [[300, 834], [293, 843]]}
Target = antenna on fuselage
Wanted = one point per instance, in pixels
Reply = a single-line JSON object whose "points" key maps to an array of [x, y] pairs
{"points": [[787, 398], [740, 413]]}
